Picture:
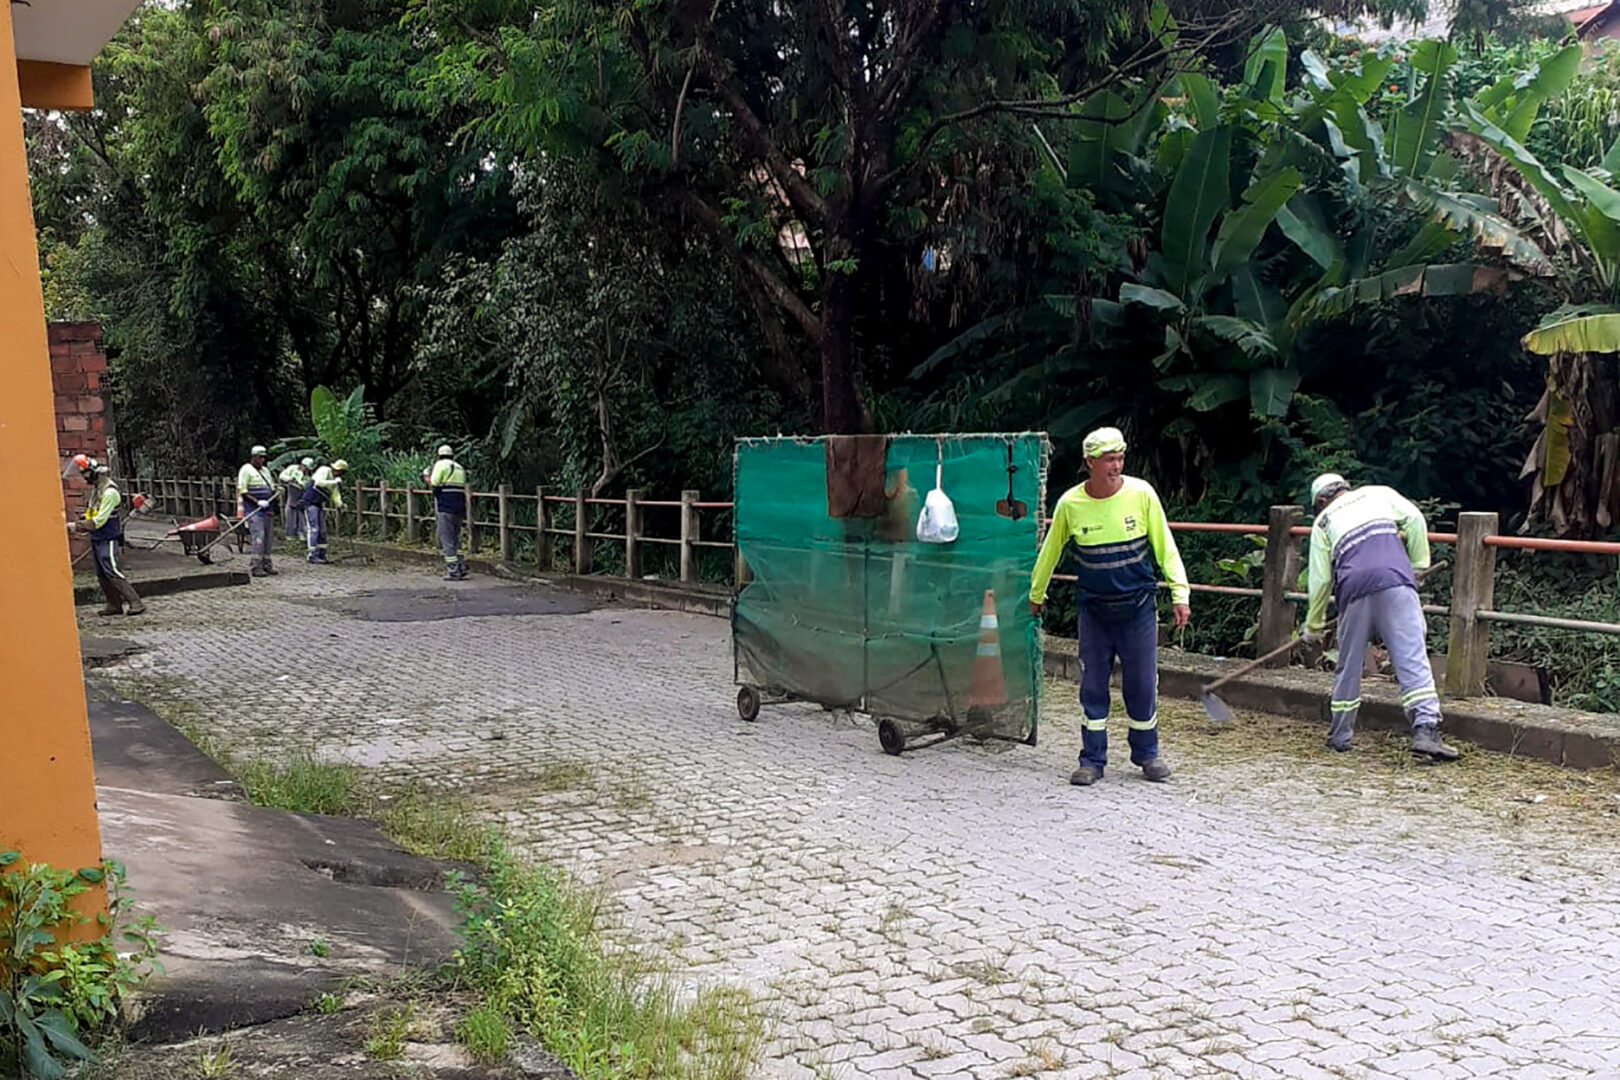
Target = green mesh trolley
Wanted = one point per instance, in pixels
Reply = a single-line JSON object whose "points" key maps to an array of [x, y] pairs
{"points": [[844, 606]]}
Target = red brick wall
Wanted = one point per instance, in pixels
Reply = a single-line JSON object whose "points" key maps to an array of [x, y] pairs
{"points": [[83, 424]]}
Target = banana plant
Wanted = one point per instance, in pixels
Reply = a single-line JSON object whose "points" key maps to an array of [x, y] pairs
{"points": [[1574, 466]]}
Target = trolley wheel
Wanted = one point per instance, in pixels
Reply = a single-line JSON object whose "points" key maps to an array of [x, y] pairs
{"points": [[748, 703], [892, 738], [205, 558]]}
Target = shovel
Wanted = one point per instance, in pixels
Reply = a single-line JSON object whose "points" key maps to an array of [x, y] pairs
{"points": [[1011, 507], [1220, 712]]}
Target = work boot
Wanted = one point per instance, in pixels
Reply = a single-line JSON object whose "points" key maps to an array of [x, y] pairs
{"points": [[114, 604], [1156, 770], [126, 589], [1085, 776], [256, 571], [1341, 728], [1426, 744], [269, 570]]}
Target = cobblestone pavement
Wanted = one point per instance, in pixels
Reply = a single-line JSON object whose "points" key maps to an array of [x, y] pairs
{"points": [[961, 911]]}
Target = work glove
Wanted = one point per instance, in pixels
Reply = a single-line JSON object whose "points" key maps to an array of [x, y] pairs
{"points": [[1311, 637]]}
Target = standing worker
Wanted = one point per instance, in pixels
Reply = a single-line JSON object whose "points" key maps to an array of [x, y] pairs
{"points": [[324, 489], [294, 478], [1366, 544], [106, 530], [449, 483], [255, 488], [1116, 523]]}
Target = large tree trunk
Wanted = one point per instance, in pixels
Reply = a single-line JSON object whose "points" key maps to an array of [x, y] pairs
{"points": [[841, 410]]}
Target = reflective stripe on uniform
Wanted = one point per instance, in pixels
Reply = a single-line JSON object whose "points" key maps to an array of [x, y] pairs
{"points": [[1145, 725], [1344, 706], [1099, 724]]}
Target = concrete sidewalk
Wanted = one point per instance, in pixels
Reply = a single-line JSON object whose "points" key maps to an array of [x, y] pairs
{"points": [[261, 913]]}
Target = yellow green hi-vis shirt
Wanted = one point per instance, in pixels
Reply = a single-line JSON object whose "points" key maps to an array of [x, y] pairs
{"points": [[1113, 539]]}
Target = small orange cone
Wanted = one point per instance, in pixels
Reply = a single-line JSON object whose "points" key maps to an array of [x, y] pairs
{"points": [[989, 685]]}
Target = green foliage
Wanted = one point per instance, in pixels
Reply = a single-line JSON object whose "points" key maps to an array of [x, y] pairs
{"points": [[57, 991], [484, 1033], [300, 783], [533, 951]]}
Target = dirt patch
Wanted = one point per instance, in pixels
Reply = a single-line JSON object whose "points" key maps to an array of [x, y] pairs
{"points": [[632, 867], [455, 601], [101, 651]]}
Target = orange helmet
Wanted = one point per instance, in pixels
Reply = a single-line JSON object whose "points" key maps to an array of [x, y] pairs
{"points": [[83, 462]]}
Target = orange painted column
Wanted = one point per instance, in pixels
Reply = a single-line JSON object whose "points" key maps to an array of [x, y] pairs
{"points": [[47, 780]]}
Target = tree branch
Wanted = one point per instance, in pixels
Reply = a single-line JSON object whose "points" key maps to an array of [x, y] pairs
{"points": [[774, 286], [902, 72], [1146, 56], [804, 197]]}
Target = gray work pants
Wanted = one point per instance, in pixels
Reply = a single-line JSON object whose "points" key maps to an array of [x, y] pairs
{"points": [[294, 515], [449, 530], [1396, 616], [259, 538]]}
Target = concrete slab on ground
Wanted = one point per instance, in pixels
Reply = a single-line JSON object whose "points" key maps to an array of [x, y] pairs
{"points": [[242, 892]]}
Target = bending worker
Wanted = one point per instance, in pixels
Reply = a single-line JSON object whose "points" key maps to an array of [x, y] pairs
{"points": [[324, 489], [1366, 544], [1120, 534], [255, 487], [294, 478], [106, 530], [449, 483]]}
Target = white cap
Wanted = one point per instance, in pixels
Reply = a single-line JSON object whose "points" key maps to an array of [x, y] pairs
{"points": [[1325, 483], [445, 451], [258, 451], [308, 463]]}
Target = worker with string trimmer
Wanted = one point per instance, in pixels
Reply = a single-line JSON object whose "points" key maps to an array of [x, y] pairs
{"points": [[1367, 546]]}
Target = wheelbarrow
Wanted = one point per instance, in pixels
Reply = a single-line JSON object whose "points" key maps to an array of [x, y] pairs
{"points": [[200, 537]]}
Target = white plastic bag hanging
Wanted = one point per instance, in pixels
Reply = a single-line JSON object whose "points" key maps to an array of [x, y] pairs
{"points": [[937, 522]]}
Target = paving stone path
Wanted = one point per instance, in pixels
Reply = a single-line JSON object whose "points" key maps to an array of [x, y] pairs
{"points": [[960, 911]]}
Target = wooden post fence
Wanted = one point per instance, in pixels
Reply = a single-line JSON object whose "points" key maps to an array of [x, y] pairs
{"points": [[582, 538], [542, 530], [1473, 583], [632, 533], [689, 536], [1280, 573], [504, 507]]}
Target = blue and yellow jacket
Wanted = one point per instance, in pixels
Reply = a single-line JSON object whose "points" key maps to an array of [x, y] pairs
{"points": [[1118, 541]]}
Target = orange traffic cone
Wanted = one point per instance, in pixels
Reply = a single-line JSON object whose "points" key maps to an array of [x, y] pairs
{"points": [[989, 685]]}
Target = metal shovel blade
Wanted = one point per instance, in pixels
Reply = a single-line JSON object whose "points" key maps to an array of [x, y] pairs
{"points": [[1216, 709], [1011, 508]]}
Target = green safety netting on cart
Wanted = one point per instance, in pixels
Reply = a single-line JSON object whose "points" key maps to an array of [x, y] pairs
{"points": [[848, 608]]}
